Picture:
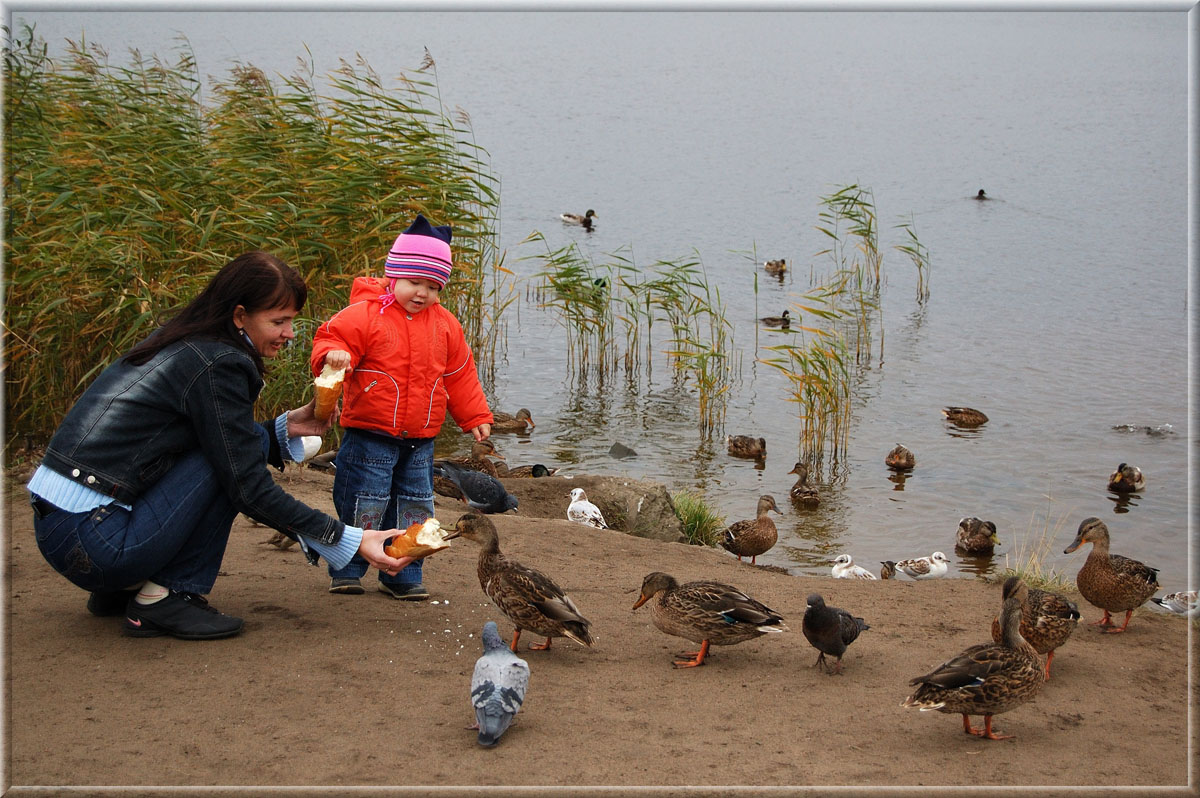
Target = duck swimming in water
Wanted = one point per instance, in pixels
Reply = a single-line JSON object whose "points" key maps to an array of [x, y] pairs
{"points": [[584, 221]]}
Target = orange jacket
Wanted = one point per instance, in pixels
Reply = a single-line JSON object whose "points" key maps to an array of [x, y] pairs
{"points": [[406, 369]]}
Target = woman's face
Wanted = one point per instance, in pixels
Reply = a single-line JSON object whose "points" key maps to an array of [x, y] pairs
{"points": [[269, 329]]}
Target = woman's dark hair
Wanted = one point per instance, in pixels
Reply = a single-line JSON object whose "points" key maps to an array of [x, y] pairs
{"points": [[256, 281]]}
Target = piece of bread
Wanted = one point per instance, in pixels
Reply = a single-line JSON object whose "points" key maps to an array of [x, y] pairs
{"points": [[328, 388], [419, 540]]}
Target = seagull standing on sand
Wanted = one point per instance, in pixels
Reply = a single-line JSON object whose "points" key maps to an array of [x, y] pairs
{"points": [[582, 511], [497, 686]]}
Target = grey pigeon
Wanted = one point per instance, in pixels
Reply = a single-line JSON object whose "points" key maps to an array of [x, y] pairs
{"points": [[482, 491], [497, 686], [830, 630]]}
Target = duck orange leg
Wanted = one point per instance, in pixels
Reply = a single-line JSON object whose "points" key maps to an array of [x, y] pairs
{"points": [[968, 728], [698, 661], [543, 647], [1105, 621], [988, 734], [1113, 629], [516, 637], [1049, 659]]}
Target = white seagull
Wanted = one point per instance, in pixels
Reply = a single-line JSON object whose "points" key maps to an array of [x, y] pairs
{"points": [[844, 568], [583, 511], [930, 567]]}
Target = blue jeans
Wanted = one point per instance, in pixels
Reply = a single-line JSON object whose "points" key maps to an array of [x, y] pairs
{"points": [[382, 483], [175, 535]]}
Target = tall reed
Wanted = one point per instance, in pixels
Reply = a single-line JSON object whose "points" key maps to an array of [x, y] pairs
{"points": [[918, 253], [124, 193]]}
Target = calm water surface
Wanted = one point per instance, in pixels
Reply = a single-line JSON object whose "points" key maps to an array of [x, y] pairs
{"points": [[1059, 308]]}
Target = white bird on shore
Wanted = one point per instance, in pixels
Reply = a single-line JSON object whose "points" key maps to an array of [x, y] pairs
{"points": [[844, 568], [1181, 603], [497, 686], [931, 567], [582, 511]]}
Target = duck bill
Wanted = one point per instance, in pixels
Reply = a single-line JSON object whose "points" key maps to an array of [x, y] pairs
{"points": [[1076, 543], [640, 602]]}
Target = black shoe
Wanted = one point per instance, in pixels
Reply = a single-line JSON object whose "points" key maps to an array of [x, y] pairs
{"points": [[405, 591], [109, 603], [348, 586], [187, 616]]}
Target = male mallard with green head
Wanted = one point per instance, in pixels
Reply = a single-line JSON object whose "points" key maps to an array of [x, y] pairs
{"points": [[1109, 581], [584, 220], [985, 679], [705, 612]]}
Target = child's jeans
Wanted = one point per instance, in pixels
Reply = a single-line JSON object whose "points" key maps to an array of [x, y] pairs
{"points": [[383, 483]]}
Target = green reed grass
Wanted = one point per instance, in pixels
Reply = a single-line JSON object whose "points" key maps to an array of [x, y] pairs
{"points": [[125, 192], [1031, 554], [918, 253], [702, 525]]}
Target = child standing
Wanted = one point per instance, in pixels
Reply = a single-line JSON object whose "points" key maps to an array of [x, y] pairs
{"points": [[407, 361]]}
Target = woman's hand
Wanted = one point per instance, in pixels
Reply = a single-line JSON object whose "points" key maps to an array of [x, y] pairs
{"points": [[371, 550], [303, 421]]}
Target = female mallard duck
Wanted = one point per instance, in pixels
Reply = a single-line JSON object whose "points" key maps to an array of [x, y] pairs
{"points": [[932, 567], [802, 493], [783, 321], [1109, 581], [751, 538], [1126, 479], [900, 458], [976, 537], [776, 268], [506, 422], [964, 416], [745, 446], [1047, 620], [478, 459], [708, 613], [985, 679], [574, 218], [529, 598], [844, 568]]}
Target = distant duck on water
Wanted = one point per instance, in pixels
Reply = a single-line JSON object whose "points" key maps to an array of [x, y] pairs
{"points": [[784, 321], [982, 195], [776, 268], [584, 221]]}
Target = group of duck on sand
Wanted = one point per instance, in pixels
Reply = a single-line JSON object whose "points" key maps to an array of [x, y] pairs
{"points": [[985, 679]]}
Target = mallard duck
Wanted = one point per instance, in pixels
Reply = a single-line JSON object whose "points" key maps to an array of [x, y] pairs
{"points": [[888, 571], [802, 493], [976, 537], [1181, 603], [478, 459], [745, 446], [1047, 620], [900, 458], [830, 630], [526, 471], [506, 422], [1126, 479], [752, 537], [708, 613], [844, 568], [582, 511], [526, 596], [1109, 581], [964, 416], [776, 268], [932, 567], [985, 679], [783, 321], [574, 218]]}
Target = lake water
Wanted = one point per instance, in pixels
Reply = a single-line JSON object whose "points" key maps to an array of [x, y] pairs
{"points": [[1059, 307]]}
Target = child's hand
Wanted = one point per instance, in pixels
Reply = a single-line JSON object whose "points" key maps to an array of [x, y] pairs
{"points": [[338, 359], [371, 550], [482, 432]]}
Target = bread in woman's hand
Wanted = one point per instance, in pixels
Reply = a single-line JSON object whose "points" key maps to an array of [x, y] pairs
{"points": [[419, 540], [328, 388]]}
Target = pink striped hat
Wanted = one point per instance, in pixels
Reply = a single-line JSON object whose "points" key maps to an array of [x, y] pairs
{"points": [[421, 252]]}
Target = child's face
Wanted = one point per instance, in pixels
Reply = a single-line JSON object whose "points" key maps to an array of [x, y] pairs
{"points": [[415, 294]]}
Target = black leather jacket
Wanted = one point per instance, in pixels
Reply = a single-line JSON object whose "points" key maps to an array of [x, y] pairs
{"points": [[132, 424]]}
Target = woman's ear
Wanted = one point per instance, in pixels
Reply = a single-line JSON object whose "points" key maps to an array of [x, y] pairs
{"points": [[239, 316]]}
